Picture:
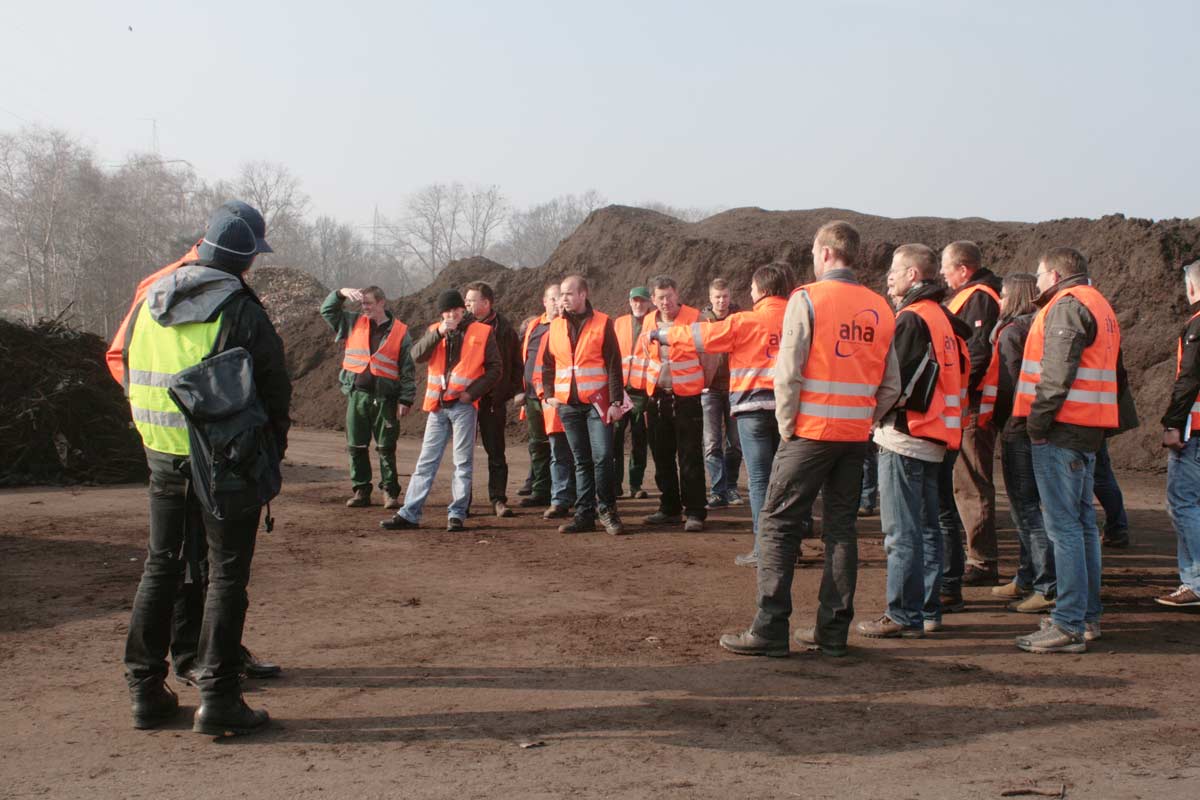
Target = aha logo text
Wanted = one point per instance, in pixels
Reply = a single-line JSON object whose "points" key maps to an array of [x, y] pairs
{"points": [[859, 331]]}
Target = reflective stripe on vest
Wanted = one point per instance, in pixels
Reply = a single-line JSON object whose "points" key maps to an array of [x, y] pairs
{"points": [[584, 365], [1195, 412], [852, 329], [990, 385], [687, 376], [468, 369], [1091, 399], [942, 421], [156, 353], [384, 362], [633, 365], [751, 338]]}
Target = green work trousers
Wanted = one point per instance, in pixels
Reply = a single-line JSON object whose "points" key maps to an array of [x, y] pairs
{"points": [[370, 417], [539, 450]]}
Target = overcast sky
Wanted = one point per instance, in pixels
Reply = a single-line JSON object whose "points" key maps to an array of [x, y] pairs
{"points": [[1012, 110]]}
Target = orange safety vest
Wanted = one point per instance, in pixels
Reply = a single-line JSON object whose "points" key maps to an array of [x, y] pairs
{"points": [[551, 422], [468, 369], [113, 356], [752, 340], [990, 385], [384, 362], [1092, 397], [687, 376], [942, 421], [633, 366], [852, 330], [1195, 415], [585, 364]]}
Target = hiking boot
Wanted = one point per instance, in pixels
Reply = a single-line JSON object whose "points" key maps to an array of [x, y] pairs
{"points": [[228, 717], [1091, 631], [361, 498], [807, 638], [733, 498], [660, 518], [257, 669], [1182, 597], [887, 628], [716, 501], [750, 643], [693, 525], [1036, 603], [1117, 539], [933, 626], [746, 559], [952, 602], [611, 522], [153, 704], [455, 525], [392, 502], [1010, 591], [1050, 638], [533, 502], [398, 523], [980, 576], [638, 493], [866, 511], [578, 525], [556, 512], [501, 508]]}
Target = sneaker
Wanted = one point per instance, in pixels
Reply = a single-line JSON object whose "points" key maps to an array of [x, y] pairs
{"points": [[533, 502], [660, 518], [1050, 638], [952, 602], [1036, 603], [578, 525], [807, 638], [750, 643], [454, 525], [361, 498], [501, 508], [556, 512], [1180, 598], [693, 525], [1091, 631], [1010, 591], [611, 522], [980, 576], [733, 498], [887, 628], [398, 523], [866, 511], [746, 559], [1117, 539], [638, 494], [716, 501], [392, 502], [933, 626]]}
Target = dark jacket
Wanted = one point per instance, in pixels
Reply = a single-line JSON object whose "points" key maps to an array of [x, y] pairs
{"points": [[980, 314], [342, 322], [531, 357], [716, 365], [424, 347], [1011, 341], [912, 340], [1070, 329], [1187, 384], [610, 352], [512, 368]]}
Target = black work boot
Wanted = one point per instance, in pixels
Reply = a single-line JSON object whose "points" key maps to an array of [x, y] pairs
{"points": [[153, 704], [256, 668], [228, 716]]}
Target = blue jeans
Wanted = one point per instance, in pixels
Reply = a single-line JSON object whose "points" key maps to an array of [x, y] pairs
{"points": [[759, 434], [454, 422], [1036, 566], [562, 471], [1065, 482], [591, 441], [1108, 492], [722, 445], [912, 540], [870, 481], [1183, 504]]}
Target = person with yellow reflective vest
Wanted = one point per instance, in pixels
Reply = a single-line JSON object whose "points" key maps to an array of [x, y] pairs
{"points": [[751, 339], [675, 417], [1069, 393], [835, 375], [464, 364], [1181, 437], [184, 315], [913, 438], [377, 379], [633, 368], [966, 485]]}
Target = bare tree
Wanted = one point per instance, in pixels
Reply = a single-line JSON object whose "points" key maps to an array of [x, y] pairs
{"points": [[690, 214], [444, 222], [534, 233], [276, 193]]}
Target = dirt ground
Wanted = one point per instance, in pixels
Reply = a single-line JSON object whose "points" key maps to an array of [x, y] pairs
{"points": [[417, 665]]}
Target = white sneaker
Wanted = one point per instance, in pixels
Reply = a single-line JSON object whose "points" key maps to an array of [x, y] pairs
{"points": [[1091, 631], [934, 625]]}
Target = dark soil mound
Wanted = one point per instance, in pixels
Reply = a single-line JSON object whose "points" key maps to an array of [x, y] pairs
{"points": [[62, 417]]}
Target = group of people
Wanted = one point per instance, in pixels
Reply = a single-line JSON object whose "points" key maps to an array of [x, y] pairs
{"points": [[829, 389]]}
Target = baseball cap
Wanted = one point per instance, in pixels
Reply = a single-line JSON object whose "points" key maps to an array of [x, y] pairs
{"points": [[639, 291], [251, 215]]}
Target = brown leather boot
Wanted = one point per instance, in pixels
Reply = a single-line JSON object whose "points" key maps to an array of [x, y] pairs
{"points": [[361, 499]]}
